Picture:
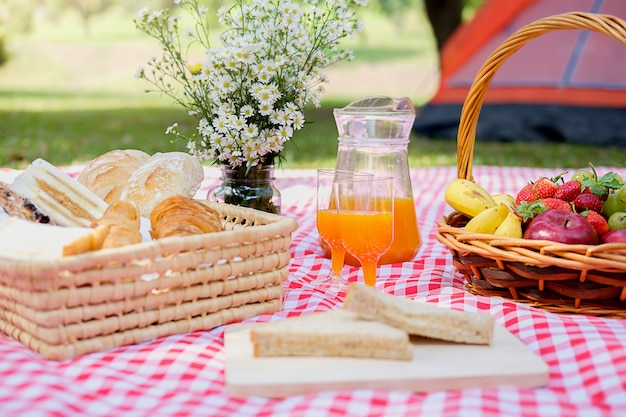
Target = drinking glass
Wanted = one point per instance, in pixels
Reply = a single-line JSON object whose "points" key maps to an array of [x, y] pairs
{"points": [[328, 221], [366, 220]]}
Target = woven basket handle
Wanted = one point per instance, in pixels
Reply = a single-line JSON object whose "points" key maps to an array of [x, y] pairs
{"points": [[609, 25]]}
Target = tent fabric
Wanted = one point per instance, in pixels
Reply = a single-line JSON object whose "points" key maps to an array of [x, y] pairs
{"points": [[565, 86]]}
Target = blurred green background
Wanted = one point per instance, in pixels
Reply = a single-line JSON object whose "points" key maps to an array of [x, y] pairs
{"points": [[68, 91]]}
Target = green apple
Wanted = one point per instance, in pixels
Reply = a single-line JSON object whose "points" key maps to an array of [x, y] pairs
{"points": [[612, 205], [617, 220], [582, 175], [621, 195]]}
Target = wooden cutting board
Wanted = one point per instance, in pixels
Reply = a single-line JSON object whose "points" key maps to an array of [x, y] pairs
{"points": [[436, 365]]}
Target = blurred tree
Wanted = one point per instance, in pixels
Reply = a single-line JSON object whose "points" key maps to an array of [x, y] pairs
{"points": [[16, 17], [446, 15], [134, 6], [89, 8], [396, 10]]}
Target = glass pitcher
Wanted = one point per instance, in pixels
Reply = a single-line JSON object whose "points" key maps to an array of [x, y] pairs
{"points": [[374, 137]]}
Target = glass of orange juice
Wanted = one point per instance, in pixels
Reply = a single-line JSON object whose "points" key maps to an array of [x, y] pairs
{"points": [[328, 221], [365, 208]]}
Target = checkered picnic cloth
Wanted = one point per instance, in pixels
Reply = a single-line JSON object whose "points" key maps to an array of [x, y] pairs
{"points": [[183, 375]]}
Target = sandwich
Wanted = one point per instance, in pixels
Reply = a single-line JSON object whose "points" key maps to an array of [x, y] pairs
{"points": [[332, 333], [419, 319], [371, 324], [57, 195], [18, 206]]}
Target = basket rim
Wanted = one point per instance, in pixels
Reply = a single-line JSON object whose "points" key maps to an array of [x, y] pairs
{"points": [[266, 225], [540, 252]]}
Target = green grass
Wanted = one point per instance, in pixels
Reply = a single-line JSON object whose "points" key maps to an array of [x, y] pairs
{"points": [[72, 98], [71, 136]]}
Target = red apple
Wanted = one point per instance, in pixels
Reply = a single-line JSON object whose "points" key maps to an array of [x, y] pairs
{"points": [[561, 226], [614, 236]]}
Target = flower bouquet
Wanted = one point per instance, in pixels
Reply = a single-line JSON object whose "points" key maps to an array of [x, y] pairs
{"points": [[249, 91]]}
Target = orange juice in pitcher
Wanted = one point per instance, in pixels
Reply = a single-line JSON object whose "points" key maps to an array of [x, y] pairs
{"points": [[374, 137]]}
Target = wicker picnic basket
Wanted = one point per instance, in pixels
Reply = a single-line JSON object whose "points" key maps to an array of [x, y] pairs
{"points": [[557, 277], [66, 307]]}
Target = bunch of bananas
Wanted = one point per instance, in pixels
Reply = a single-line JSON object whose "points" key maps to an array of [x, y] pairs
{"points": [[492, 214]]}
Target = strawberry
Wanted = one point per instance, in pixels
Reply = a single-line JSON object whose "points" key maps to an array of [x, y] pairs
{"points": [[526, 194], [538, 190], [545, 188], [555, 203], [568, 191], [587, 201], [528, 211], [597, 220]]}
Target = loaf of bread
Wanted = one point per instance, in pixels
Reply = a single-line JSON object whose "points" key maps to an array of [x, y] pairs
{"points": [[419, 319], [333, 333], [182, 216], [106, 174], [122, 221], [161, 176]]}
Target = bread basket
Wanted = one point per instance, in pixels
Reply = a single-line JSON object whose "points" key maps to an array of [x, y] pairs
{"points": [[560, 278], [70, 306]]}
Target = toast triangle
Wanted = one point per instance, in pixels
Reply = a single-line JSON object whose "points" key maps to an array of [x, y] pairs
{"points": [[419, 319], [332, 333]]}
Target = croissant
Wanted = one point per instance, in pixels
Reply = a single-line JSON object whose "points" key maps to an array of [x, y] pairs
{"points": [[122, 219], [182, 216]]}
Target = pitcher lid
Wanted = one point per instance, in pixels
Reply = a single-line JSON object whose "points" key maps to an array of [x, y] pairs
{"points": [[380, 105], [376, 117]]}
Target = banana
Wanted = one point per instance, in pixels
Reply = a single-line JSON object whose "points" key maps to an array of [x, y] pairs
{"points": [[488, 220], [506, 199], [511, 226], [467, 197]]}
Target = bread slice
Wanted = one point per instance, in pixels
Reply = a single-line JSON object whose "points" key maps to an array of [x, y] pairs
{"points": [[419, 318], [22, 238], [332, 333]]}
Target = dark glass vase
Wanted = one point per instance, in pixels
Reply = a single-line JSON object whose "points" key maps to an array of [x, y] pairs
{"points": [[253, 188]]}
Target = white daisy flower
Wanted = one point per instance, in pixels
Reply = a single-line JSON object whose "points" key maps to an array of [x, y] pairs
{"points": [[249, 92]]}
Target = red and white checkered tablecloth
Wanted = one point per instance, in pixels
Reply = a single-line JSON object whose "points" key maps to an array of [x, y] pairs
{"points": [[183, 375]]}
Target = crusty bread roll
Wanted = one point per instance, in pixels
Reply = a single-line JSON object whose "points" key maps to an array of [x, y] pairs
{"points": [[419, 319], [106, 174], [330, 333], [122, 221], [182, 216], [161, 176]]}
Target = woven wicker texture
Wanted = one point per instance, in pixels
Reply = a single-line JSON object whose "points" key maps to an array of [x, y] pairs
{"points": [[557, 277], [96, 301]]}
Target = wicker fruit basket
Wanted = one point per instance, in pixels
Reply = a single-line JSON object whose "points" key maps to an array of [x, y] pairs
{"points": [[70, 306], [557, 277]]}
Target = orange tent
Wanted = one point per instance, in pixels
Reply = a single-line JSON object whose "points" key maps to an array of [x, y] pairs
{"points": [[567, 86]]}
